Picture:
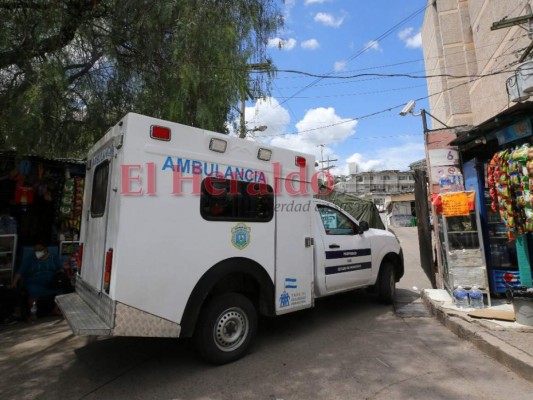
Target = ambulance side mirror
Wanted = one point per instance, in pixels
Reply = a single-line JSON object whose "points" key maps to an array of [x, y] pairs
{"points": [[363, 226]]}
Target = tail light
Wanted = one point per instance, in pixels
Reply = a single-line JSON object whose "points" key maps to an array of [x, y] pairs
{"points": [[80, 257], [108, 266]]}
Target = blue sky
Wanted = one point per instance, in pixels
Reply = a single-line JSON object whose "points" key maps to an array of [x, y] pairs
{"points": [[338, 38]]}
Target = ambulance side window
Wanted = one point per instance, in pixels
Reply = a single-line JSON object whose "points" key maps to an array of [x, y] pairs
{"points": [[99, 194], [335, 222], [232, 200]]}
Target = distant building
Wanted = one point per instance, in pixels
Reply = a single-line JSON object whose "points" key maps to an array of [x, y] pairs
{"points": [[389, 181], [378, 186]]}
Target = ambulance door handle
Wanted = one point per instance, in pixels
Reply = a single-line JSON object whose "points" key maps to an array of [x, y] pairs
{"points": [[309, 242], [334, 246]]}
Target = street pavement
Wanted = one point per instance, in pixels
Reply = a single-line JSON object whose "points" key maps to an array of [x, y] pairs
{"points": [[347, 347], [508, 342]]}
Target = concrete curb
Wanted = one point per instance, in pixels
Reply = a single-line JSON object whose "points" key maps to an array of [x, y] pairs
{"points": [[513, 358]]}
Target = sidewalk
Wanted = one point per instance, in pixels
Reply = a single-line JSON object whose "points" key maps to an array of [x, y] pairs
{"points": [[510, 343]]}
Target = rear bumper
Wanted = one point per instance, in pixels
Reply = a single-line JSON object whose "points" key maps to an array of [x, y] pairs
{"points": [[89, 312], [80, 317]]}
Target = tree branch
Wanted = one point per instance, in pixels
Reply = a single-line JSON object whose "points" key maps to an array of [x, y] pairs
{"points": [[86, 67], [76, 10]]}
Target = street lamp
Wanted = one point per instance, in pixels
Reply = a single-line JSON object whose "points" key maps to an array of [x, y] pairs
{"points": [[260, 128]]}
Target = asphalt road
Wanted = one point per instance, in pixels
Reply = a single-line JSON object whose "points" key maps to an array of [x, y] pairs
{"points": [[347, 347]]}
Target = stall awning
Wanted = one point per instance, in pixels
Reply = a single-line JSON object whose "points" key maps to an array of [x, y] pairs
{"points": [[493, 124]]}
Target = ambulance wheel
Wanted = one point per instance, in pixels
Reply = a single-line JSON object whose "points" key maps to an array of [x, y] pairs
{"points": [[226, 328], [386, 283]]}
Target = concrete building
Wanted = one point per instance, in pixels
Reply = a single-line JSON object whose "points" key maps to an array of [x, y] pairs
{"points": [[378, 185], [389, 181], [470, 62]]}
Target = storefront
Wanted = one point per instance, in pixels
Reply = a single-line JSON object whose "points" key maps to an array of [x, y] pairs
{"points": [[496, 159], [40, 200]]}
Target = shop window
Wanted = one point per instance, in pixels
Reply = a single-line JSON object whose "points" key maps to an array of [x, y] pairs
{"points": [[232, 200], [99, 194]]}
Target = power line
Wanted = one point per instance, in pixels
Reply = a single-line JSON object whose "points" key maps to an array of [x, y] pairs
{"points": [[362, 51], [356, 94], [411, 72], [389, 108]]}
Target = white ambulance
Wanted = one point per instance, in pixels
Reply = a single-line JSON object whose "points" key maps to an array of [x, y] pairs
{"points": [[191, 233]]}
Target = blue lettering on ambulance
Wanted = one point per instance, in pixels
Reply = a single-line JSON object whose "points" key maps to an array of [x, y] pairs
{"points": [[250, 175], [229, 173], [183, 166], [197, 167], [213, 169], [168, 164], [239, 173]]}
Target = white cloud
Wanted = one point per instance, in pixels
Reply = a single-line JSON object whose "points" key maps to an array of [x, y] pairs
{"points": [[308, 2], [405, 33], [412, 41], [269, 113], [287, 9], [373, 45], [340, 66], [311, 44], [319, 126], [329, 20], [396, 157], [282, 44]]}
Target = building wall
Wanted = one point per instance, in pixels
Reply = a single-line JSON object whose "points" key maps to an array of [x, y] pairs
{"points": [[458, 40], [378, 181]]}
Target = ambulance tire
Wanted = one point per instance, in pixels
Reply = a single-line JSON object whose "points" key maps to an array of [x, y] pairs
{"points": [[386, 283], [226, 328]]}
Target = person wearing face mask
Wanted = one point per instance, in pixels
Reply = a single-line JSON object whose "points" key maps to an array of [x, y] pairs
{"points": [[37, 273]]}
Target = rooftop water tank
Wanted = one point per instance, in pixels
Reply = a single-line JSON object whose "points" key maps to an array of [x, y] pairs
{"points": [[524, 74], [514, 90]]}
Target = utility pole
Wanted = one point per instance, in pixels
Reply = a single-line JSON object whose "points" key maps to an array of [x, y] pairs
{"points": [[322, 161], [509, 22], [250, 67]]}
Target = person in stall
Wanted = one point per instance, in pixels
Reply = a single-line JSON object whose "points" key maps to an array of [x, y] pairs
{"points": [[38, 277]]}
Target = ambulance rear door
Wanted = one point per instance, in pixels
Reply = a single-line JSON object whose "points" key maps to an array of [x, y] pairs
{"points": [[97, 198]]}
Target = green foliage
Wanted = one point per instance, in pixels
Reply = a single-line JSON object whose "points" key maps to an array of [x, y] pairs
{"points": [[70, 69]]}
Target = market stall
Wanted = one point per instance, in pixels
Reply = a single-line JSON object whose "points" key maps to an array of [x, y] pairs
{"points": [[41, 201], [497, 163]]}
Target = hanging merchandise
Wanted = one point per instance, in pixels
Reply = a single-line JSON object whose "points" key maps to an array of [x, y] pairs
{"points": [[493, 174], [520, 184], [71, 205], [503, 190], [510, 175]]}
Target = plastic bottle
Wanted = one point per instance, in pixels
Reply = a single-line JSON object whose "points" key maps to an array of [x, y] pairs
{"points": [[461, 297], [33, 311], [476, 297]]}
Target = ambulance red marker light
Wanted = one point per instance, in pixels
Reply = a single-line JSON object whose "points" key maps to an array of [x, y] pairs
{"points": [[160, 133], [300, 161]]}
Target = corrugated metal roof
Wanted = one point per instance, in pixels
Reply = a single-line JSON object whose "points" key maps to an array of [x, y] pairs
{"points": [[499, 121]]}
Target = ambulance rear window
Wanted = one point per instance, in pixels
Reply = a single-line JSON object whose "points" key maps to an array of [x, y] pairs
{"points": [[232, 200], [99, 194]]}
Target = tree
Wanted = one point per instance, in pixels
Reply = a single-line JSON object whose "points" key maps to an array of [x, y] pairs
{"points": [[70, 69]]}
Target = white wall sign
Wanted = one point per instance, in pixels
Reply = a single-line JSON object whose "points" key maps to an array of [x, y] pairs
{"points": [[440, 157], [446, 170]]}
